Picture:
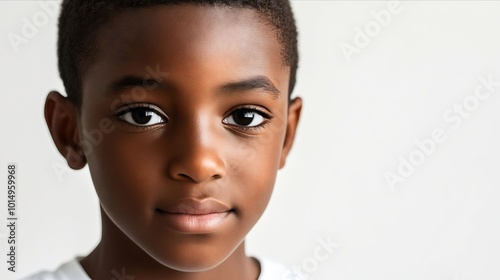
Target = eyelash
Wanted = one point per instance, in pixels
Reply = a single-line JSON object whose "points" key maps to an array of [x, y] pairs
{"points": [[130, 107], [267, 117]]}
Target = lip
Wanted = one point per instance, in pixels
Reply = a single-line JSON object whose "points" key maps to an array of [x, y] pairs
{"points": [[195, 216]]}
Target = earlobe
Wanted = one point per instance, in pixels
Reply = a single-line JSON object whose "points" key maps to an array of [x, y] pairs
{"points": [[294, 110], [62, 116]]}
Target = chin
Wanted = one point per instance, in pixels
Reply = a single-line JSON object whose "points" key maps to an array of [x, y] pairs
{"points": [[190, 256], [191, 265]]}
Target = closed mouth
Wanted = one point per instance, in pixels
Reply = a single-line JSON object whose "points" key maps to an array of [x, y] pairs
{"points": [[192, 216], [195, 207]]}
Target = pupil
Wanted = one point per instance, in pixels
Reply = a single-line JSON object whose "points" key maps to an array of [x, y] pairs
{"points": [[141, 115], [243, 117]]}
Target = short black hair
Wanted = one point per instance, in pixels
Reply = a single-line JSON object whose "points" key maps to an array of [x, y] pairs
{"points": [[80, 20]]}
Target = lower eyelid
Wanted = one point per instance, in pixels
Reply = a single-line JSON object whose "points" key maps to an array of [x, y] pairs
{"points": [[253, 128], [121, 113]]}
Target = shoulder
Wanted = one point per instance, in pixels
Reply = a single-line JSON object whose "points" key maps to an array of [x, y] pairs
{"points": [[69, 270], [273, 270]]}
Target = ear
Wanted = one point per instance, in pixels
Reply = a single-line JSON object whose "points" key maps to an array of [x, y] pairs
{"points": [[294, 110], [61, 116]]}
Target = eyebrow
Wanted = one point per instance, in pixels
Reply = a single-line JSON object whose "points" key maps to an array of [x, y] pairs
{"points": [[254, 83], [258, 82], [128, 83]]}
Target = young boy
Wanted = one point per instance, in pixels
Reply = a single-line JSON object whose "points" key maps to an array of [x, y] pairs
{"points": [[182, 110]]}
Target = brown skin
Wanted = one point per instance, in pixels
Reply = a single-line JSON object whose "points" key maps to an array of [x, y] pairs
{"points": [[196, 149]]}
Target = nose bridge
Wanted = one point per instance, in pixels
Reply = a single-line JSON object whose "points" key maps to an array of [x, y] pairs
{"points": [[196, 155]]}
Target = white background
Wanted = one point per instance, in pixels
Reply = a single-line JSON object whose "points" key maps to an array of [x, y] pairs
{"points": [[361, 113]]}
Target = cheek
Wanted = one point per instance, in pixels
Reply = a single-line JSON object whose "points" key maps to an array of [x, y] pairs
{"points": [[121, 170], [253, 173]]}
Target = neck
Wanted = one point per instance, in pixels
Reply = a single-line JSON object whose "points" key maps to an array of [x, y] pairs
{"points": [[117, 256]]}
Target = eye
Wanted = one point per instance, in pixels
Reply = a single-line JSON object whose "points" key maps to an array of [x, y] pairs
{"points": [[143, 115], [246, 117]]}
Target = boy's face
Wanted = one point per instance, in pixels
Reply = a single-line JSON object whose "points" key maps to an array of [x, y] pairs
{"points": [[192, 105]]}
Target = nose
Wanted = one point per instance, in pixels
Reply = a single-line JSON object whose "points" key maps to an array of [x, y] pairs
{"points": [[196, 155]]}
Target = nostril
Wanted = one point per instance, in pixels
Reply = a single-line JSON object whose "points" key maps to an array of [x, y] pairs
{"points": [[200, 169], [184, 176]]}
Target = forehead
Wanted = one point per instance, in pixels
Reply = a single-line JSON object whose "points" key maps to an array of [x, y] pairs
{"points": [[205, 44]]}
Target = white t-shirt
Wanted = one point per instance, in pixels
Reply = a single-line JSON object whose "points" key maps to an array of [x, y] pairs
{"points": [[72, 270]]}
